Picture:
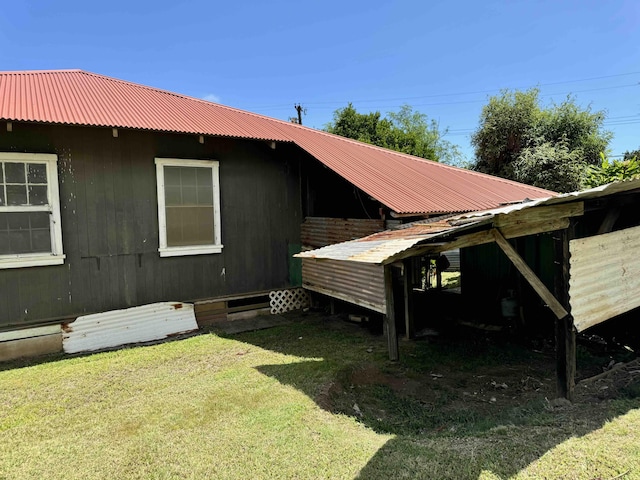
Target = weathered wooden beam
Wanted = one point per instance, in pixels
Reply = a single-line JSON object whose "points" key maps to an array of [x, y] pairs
{"points": [[539, 214], [408, 299], [514, 230], [609, 220], [565, 330], [529, 275], [511, 226], [390, 317]]}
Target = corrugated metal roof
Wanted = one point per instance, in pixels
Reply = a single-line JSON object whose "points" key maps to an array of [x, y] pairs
{"points": [[380, 247], [74, 97], [406, 184]]}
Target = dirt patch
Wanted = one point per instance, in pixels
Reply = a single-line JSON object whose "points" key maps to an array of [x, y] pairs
{"points": [[450, 384]]}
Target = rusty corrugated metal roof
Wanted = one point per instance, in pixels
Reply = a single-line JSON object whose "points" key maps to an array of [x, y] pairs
{"points": [[380, 248], [405, 184]]}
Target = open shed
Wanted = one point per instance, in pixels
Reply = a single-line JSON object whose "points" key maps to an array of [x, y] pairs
{"points": [[587, 241]]}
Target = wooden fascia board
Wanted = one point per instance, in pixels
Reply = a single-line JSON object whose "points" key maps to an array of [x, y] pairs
{"points": [[529, 275], [485, 236], [530, 221], [537, 215]]}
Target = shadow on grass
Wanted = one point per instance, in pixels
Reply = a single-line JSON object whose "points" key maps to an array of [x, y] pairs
{"points": [[457, 407]]}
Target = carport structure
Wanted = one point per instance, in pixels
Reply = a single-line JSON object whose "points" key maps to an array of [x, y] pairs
{"points": [[594, 234]]}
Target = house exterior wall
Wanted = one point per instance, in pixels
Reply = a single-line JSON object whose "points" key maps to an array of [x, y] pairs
{"points": [[327, 194], [108, 204]]}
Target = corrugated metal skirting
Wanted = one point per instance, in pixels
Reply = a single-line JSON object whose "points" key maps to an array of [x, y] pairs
{"points": [[132, 325], [354, 282], [605, 276]]}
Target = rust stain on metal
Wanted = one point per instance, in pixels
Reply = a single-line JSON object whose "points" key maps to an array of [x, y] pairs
{"points": [[321, 231], [66, 327], [177, 306]]}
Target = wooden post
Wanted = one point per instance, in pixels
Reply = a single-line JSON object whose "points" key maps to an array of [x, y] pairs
{"points": [[565, 331], [390, 317], [408, 299]]}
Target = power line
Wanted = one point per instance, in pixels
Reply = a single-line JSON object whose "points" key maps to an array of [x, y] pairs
{"points": [[396, 99], [325, 105]]}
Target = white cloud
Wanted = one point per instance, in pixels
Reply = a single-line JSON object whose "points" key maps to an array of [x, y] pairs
{"points": [[210, 97]]}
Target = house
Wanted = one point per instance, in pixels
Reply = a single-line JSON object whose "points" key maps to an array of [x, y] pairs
{"points": [[575, 255], [117, 195]]}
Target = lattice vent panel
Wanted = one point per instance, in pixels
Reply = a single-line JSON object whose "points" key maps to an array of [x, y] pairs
{"points": [[282, 301]]}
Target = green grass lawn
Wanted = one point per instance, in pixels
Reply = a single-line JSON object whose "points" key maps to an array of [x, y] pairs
{"points": [[316, 399]]}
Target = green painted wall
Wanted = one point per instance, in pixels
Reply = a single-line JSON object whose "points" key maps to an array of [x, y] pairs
{"points": [[488, 275]]}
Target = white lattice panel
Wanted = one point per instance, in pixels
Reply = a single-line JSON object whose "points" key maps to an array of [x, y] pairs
{"points": [[282, 301]]}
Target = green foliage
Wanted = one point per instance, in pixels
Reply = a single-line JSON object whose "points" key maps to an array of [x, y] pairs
{"points": [[551, 166], [547, 147], [611, 171], [404, 131], [507, 125]]}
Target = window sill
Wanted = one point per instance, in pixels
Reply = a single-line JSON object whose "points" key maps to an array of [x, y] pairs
{"points": [[30, 261], [194, 250]]}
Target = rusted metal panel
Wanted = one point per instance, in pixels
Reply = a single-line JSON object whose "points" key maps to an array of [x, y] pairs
{"points": [[321, 231], [358, 283], [132, 325], [446, 233], [605, 276]]}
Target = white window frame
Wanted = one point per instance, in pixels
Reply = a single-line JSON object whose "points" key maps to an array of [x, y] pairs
{"points": [[164, 249], [56, 257]]}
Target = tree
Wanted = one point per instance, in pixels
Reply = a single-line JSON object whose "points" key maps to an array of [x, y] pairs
{"points": [[552, 166], [403, 131], [635, 154], [547, 147], [507, 124]]}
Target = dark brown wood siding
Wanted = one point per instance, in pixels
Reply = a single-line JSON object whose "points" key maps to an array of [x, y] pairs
{"points": [[110, 223]]}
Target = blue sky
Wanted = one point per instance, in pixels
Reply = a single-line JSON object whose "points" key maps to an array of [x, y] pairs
{"points": [[444, 58]]}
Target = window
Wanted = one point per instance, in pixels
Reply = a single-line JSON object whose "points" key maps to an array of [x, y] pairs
{"points": [[188, 207], [30, 231]]}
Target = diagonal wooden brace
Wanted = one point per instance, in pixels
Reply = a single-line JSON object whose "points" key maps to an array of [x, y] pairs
{"points": [[540, 288]]}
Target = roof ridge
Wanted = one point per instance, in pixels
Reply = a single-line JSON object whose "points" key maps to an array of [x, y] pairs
{"points": [[23, 72], [188, 97]]}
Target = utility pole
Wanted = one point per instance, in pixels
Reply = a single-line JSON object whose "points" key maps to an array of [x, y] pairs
{"points": [[300, 110]]}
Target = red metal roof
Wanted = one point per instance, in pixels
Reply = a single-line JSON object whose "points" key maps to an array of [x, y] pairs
{"points": [[404, 183]]}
